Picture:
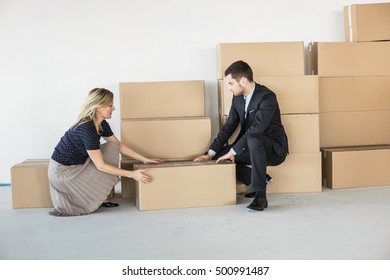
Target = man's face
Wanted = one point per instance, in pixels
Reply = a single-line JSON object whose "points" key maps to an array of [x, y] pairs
{"points": [[233, 86]]}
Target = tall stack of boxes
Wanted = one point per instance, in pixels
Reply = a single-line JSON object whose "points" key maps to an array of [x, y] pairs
{"points": [[354, 83], [280, 67], [166, 120]]}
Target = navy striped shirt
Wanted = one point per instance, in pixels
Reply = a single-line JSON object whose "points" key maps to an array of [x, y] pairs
{"points": [[73, 146]]}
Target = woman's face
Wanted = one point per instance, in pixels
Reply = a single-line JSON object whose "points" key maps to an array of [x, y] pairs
{"points": [[106, 112]]}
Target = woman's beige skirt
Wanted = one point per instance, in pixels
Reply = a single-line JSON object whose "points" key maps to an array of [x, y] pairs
{"points": [[81, 189]]}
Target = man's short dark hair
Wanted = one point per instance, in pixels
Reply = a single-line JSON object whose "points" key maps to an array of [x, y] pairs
{"points": [[240, 69]]}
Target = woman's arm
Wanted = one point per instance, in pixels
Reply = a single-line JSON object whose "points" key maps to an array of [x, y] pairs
{"points": [[97, 158], [124, 150]]}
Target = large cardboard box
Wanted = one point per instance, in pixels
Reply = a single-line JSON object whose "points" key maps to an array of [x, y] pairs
{"points": [[295, 94], [352, 167], [336, 59], [30, 184], [299, 173], [367, 22], [354, 128], [187, 184], [302, 130], [162, 99], [265, 58], [168, 138], [342, 94]]}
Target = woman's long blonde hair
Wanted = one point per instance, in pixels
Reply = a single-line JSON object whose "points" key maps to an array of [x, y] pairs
{"points": [[97, 98]]}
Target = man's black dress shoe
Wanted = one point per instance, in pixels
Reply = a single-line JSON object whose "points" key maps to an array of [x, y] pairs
{"points": [[258, 204], [268, 180], [250, 194], [110, 204]]}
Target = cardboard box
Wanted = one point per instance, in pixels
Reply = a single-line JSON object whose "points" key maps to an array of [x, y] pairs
{"points": [[187, 184], [354, 128], [334, 59], [367, 22], [300, 173], [127, 184], [30, 184], [265, 58], [352, 167], [342, 94], [295, 94], [302, 131], [162, 99], [168, 138]]}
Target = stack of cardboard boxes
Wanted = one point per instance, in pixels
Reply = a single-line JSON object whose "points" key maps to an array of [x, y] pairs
{"points": [[166, 120], [354, 82], [280, 67]]}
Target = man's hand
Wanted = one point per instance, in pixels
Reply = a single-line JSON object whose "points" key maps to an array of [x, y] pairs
{"points": [[204, 158], [228, 156]]}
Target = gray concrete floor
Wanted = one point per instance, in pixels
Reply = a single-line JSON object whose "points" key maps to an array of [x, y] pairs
{"points": [[351, 224]]}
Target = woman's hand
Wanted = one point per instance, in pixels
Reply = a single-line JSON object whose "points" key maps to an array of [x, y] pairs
{"points": [[152, 160], [140, 176]]}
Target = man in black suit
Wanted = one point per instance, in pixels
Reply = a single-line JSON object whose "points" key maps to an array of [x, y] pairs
{"points": [[262, 140]]}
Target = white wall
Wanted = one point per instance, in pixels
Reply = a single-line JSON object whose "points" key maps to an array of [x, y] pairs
{"points": [[52, 52]]}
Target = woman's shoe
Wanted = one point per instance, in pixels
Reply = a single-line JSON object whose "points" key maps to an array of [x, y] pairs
{"points": [[110, 204]]}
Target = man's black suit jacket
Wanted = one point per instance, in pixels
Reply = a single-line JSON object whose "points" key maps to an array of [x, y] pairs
{"points": [[263, 117]]}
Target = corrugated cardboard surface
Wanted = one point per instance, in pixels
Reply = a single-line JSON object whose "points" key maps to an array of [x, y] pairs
{"points": [[265, 58], [353, 167], [187, 184], [162, 99], [299, 173], [342, 94], [333, 59], [30, 184], [367, 22], [295, 94], [168, 138], [303, 132], [354, 128]]}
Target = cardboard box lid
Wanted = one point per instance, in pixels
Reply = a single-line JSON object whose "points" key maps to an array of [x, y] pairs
{"points": [[356, 148], [179, 164]]}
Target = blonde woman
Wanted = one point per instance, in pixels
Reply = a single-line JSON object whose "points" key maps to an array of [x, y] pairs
{"points": [[82, 172]]}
